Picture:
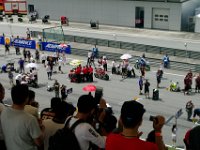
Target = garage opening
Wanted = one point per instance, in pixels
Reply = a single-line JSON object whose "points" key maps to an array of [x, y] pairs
{"points": [[139, 17], [31, 8]]}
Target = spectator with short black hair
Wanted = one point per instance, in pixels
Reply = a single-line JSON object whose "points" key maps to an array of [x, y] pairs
{"points": [[62, 110], [49, 113], [84, 132], [21, 130], [191, 138], [131, 118], [28, 107]]}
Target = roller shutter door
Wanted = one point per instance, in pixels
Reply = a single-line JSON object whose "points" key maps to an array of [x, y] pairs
{"points": [[160, 18]]}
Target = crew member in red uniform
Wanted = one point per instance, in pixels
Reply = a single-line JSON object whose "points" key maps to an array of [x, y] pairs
{"points": [[78, 73], [90, 75], [85, 73], [190, 74], [188, 84]]}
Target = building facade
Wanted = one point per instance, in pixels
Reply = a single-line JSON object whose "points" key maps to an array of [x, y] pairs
{"points": [[152, 14]]}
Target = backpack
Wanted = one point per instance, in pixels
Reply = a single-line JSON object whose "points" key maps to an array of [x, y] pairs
{"points": [[65, 139]]}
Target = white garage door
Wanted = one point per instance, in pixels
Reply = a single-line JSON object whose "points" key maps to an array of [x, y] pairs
{"points": [[160, 18]]}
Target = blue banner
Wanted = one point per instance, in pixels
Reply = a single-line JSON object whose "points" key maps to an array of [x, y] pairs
{"points": [[2, 40], [24, 43], [53, 47]]}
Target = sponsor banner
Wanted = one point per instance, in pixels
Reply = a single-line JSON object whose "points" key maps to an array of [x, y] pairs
{"points": [[53, 47], [2, 41], [24, 43]]}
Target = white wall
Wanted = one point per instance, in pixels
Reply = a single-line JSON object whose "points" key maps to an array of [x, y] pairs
{"points": [[113, 12], [197, 24]]}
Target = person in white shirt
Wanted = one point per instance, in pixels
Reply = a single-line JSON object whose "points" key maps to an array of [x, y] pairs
{"points": [[104, 62], [64, 59], [20, 129], [18, 79], [43, 58], [130, 71], [60, 61], [28, 33], [84, 132], [113, 67], [89, 58], [49, 71]]}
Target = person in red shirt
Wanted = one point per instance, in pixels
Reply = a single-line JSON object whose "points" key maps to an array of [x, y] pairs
{"points": [[131, 119], [85, 73], [90, 73], [188, 84], [78, 73]]}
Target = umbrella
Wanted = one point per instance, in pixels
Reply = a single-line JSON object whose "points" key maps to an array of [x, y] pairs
{"points": [[126, 56], [31, 65], [75, 62], [89, 88], [63, 45]]}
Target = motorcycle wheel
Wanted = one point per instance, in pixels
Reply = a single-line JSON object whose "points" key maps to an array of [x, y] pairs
{"points": [[147, 68], [136, 66], [106, 77], [96, 76]]}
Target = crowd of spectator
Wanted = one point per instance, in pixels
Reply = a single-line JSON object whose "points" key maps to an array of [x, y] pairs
{"points": [[22, 128]]}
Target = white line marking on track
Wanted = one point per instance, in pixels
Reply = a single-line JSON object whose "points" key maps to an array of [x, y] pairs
{"points": [[174, 74]]}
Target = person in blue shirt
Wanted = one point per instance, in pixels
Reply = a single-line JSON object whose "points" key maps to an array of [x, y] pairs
{"points": [[21, 65], [3, 68], [166, 61], [142, 61], [196, 112], [141, 84], [95, 51]]}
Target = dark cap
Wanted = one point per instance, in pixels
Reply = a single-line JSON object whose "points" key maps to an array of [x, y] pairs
{"points": [[86, 103], [131, 113]]}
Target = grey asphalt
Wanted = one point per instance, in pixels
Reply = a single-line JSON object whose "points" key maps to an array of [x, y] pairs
{"points": [[116, 91]]}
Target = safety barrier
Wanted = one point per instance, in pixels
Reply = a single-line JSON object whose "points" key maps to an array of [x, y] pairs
{"points": [[129, 46]]}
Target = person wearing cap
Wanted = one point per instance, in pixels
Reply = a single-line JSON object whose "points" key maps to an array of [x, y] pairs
{"points": [[131, 119], [84, 132]]}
